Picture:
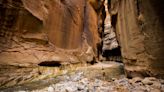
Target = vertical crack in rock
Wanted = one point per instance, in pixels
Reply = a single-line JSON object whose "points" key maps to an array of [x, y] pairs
{"points": [[109, 40], [138, 7]]}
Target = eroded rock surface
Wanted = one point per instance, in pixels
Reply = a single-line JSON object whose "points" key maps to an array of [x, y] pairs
{"points": [[37, 31], [109, 39], [140, 33]]}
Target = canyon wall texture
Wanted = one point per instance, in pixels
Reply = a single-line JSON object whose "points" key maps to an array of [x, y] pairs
{"points": [[140, 33], [35, 31]]}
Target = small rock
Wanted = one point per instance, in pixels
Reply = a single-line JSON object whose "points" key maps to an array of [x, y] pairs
{"points": [[21, 91], [156, 84], [149, 80], [139, 90], [50, 89], [136, 81], [71, 89], [80, 87], [77, 76], [148, 88], [97, 83], [162, 81], [84, 81], [104, 89], [155, 90], [113, 79], [162, 88]]}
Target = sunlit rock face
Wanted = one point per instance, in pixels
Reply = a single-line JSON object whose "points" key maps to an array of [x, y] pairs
{"points": [[65, 21], [33, 31], [140, 32]]}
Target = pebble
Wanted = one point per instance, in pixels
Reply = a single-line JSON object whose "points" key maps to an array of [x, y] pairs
{"points": [[21, 91], [135, 80], [50, 89]]}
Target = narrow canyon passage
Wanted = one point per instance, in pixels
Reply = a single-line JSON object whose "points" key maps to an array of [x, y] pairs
{"points": [[81, 46]]}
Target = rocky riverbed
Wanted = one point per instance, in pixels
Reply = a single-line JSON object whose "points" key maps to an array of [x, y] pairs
{"points": [[81, 84], [78, 82]]}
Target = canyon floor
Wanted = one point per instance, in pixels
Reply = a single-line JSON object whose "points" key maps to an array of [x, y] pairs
{"points": [[100, 77]]}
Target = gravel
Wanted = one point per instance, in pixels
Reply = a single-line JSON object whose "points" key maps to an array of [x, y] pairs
{"points": [[78, 83]]}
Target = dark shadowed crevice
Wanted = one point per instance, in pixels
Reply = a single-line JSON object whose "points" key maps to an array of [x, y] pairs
{"points": [[138, 7], [114, 54], [109, 4], [50, 64], [114, 20], [93, 61], [158, 6]]}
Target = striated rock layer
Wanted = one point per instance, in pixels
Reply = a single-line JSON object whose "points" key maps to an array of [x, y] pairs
{"points": [[109, 40]]}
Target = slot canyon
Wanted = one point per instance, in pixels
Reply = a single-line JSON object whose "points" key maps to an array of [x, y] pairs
{"points": [[81, 46]]}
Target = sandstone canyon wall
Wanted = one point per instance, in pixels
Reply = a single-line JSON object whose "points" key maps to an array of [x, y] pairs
{"points": [[34, 31], [140, 33]]}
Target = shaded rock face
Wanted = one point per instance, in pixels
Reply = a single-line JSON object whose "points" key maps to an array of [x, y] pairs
{"points": [[140, 32]]}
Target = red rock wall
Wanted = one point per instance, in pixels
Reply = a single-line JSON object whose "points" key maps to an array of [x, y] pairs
{"points": [[65, 24], [48, 30], [140, 34], [65, 21]]}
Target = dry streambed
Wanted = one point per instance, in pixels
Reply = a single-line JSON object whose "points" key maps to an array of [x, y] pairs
{"points": [[101, 77]]}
